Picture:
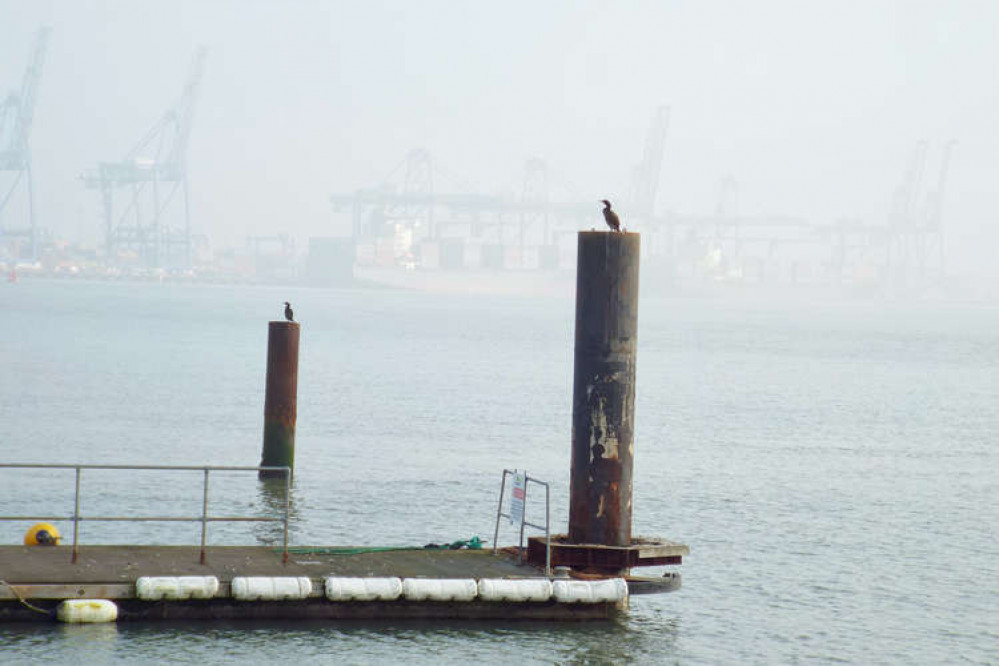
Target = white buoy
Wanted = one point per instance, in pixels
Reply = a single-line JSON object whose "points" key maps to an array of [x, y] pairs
{"points": [[609, 590], [526, 589], [89, 611], [153, 588], [265, 588], [363, 589], [440, 589]]}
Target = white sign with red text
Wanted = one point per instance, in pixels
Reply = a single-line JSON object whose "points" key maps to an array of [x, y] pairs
{"points": [[517, 497]]}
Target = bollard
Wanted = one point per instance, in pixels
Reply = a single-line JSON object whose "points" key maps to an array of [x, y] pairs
{"points": [[603, 389], [281, 399]]}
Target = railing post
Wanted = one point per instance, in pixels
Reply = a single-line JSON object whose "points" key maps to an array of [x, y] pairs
{"points": [[548, 533], [204, 518], [499, 510], [76, 517], [523, 521]]}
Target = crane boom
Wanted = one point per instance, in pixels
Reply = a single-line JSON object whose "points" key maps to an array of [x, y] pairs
{"points": [[165, 144], [935, 212], [647, 177], [16, 113], [18, 110], [185, 109]]}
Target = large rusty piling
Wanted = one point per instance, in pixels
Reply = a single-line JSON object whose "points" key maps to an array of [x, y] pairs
{"points": [[281, 398], [603, 391]]}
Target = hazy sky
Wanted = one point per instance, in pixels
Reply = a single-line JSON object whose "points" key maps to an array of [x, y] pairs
{"points": [[814, 107]]}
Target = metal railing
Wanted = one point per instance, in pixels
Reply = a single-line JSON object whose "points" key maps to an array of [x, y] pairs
{"points": [[528, 480], [204, 518]]}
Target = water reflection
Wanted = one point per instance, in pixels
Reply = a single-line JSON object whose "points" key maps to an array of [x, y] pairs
{"points": [[273, 496], [649, 640], [89, 633]]}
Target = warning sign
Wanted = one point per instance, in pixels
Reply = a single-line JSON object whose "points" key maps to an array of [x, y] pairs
{"points": [[517, 497]]}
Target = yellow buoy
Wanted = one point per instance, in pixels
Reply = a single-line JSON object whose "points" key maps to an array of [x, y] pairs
{"points": [[42, 534]]}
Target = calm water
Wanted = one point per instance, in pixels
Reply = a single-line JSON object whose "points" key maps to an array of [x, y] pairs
{"points": [[832, 466]]}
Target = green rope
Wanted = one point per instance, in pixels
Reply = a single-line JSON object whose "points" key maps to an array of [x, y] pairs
{"points": [[475, 543]]}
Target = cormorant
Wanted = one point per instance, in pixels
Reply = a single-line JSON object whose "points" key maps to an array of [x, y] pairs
{"points": [[288, 314], [610, 216]]}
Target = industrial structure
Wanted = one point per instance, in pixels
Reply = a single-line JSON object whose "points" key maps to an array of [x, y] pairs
{"points": [[906, 254], [407, 222], [404, 222], [151, 175], [410, 223], [916, 250], [17, 110], [646, 175]]}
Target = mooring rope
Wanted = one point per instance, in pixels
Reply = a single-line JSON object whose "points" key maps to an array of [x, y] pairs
{"points": [[23, 601]]}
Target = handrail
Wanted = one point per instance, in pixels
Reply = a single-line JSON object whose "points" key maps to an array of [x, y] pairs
{"points": [[523, 521], [204, 518]]}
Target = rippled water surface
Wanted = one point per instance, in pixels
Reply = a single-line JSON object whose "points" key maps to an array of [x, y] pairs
{"points": [[832, 466]]}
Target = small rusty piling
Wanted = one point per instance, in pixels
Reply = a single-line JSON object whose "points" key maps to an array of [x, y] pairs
{"points": [[281, 398], [603, 392]]}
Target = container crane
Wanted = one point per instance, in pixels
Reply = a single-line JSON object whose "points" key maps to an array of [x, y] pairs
{"points": [[152, 173], [646, 175], [17, 111], [915, 255]]}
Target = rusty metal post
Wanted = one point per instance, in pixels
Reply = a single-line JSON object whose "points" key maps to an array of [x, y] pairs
{"points": [[603, 388], [281, 399]]}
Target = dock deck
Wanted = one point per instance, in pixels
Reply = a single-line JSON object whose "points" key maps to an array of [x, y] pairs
{"points": [[122, 565]]}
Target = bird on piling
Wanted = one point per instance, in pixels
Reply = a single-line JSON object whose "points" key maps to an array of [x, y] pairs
{"points": [[610, 217], [288, 314]]}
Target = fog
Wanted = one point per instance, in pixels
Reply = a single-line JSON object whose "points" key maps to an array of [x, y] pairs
{"points": [[815, 109]]}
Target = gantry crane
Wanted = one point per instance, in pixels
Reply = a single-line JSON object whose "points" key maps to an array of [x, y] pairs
{"points": [[17, 111], [916, 244], [152, 173], [646, 174]]}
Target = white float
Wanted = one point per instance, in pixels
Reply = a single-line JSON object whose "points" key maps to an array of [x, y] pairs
{"points": [[526, 589], [363, 589], [153, 588], [81, 611], [609, 590], [440, 589], [268, 588]]}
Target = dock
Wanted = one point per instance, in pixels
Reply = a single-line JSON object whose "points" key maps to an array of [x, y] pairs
{"points": [[36, 580]]}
